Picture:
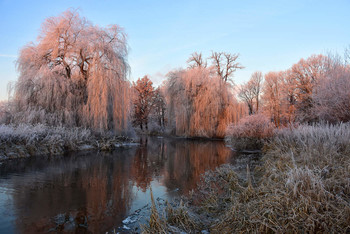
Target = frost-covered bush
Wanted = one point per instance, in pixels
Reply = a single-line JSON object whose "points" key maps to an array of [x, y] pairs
{"points": [[250, 132], [332, 96], [31, 140], [255, 126], [25, 140], [43, 133]]}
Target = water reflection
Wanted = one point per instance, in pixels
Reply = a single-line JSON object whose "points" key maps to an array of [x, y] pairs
{"points": [[94, 192]]}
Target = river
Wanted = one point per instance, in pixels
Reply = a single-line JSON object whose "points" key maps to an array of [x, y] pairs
{"points": [[94, 192]]}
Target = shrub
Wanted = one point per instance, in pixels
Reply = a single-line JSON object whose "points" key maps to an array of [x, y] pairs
{"points": [[250, 132]]}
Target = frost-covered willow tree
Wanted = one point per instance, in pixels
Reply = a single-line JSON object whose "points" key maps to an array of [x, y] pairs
{"points": [[75, 75], [200, 103]]}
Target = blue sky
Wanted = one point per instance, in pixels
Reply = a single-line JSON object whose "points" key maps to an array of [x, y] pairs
{"points": [[269, 35]]}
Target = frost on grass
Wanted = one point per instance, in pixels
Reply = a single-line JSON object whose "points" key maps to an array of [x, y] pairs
{"points": [[302, 185], [27, 140]]}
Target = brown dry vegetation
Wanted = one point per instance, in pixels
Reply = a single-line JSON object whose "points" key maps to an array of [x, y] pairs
{"points": [[302, 185]]}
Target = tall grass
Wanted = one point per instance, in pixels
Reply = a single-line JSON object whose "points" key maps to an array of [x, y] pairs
{"points": [[302, 185]]}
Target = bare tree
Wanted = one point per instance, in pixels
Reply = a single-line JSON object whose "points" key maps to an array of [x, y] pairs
{"points": [[159, 107], [256, 82], [225, 64], [196, 60], [250, 92], [289, 90], [247, 95]]}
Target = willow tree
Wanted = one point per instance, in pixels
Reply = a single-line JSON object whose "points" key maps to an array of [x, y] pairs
{"points": [[200, 103], [75, 75]]}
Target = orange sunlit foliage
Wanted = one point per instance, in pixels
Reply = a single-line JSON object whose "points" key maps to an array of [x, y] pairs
{"points": [[273, 96], [306, 74], [288, 95], [200, 103], [75, 75], [143, 101]]}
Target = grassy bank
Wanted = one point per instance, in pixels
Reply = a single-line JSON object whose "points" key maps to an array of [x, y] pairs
{"points": [[32, 140], [302, 185]]}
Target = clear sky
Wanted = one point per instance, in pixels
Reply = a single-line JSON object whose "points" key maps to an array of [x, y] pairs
{"points": [[269, 35]]}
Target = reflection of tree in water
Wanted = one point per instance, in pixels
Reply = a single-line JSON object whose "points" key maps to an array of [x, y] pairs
{"points": [[190, 159], [95, 191], [179, 162], [91, 194], [148, 161]]}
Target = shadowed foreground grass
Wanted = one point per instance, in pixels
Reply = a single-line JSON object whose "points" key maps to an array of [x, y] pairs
{"points": [[302, 185]]}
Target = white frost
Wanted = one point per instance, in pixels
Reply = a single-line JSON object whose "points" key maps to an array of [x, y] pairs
{"points": [[128, 220]]}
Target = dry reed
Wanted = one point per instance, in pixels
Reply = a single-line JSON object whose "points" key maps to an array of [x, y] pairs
{"points": [[302, 185]]}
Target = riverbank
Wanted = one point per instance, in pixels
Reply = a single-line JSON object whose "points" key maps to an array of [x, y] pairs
{"points": [[301, 185], [35, 140], [169, 135]]}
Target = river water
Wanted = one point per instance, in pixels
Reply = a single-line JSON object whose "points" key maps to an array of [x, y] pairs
{"points": [[98, 192]]}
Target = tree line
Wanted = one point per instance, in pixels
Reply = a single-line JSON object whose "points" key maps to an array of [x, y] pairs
{"points": [[312, 90], [76, 74], [195, 101]]}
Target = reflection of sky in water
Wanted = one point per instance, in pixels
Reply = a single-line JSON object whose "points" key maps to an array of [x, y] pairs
{"points": [[6, 211], [97, 191], [139, 209], [143, 198]]}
